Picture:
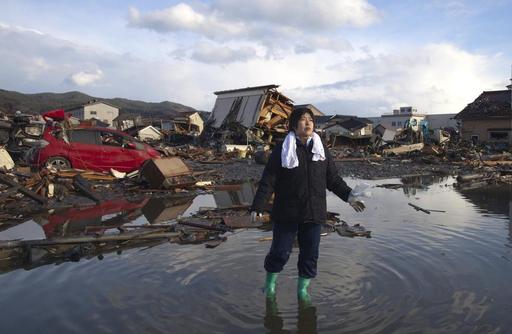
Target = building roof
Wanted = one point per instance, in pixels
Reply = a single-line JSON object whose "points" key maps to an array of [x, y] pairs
{"points": [[186, 113], [315, 110], [353, 124], [152, 128], [245, 89], [205, 115], [489, 104], [91, 102], [323, 119]]}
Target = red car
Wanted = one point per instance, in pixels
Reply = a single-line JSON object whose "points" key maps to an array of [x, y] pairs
{"points": [[98, 149]]}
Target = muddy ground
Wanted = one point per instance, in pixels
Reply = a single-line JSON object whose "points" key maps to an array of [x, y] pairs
{"points": [[248, 170]]}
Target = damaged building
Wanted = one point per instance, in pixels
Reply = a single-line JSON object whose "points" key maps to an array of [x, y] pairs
{"points": [[262, 109], [352, 130], [488, 119]]}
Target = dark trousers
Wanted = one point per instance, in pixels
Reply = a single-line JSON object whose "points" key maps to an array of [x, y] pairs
{"points": [[282, 243]]}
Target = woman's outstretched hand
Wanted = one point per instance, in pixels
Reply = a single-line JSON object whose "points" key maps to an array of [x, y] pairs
{"points": [[354, 198], [357, 205]]}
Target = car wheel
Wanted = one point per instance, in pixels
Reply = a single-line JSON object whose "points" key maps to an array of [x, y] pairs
{"points": [[58, 162]]}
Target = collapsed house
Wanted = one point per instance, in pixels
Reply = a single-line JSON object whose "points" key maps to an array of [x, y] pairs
{"points": [[261, 109], [188, 122]]}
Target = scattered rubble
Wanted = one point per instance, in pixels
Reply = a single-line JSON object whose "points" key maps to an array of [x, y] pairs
{"points": [[233, 148]]}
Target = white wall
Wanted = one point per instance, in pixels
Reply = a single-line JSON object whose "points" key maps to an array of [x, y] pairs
{"points": [[398, 121], [101, 111]]}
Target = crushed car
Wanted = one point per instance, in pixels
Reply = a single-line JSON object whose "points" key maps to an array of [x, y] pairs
{"points": [[98, 149]]}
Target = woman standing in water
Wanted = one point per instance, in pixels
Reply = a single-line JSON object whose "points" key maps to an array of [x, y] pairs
{"points": [[298, 172]]}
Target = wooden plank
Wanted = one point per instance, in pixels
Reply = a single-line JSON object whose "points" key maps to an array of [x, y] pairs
{"points": [[404, 149], [279, 113], [274, 121]]}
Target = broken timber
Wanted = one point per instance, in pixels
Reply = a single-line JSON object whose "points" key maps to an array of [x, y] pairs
{"points": [[404, 149], [19, 188], [84, 187], [427, 211]]}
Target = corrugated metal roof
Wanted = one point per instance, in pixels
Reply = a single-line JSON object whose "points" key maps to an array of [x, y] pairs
{"points": [[244, 89]]}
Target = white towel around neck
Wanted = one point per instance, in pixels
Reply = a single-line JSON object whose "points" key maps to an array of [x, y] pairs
{"points": [[289, 157]]}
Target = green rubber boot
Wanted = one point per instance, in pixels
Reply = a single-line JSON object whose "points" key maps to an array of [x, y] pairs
{"points": [[302, 288], [270, 285]]}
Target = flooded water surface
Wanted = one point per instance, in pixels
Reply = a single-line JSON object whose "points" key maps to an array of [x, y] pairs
{"points": [[439, 272]]}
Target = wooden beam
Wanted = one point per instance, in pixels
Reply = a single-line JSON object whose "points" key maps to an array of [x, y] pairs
{"points": [[7, 181], [404, 149]]}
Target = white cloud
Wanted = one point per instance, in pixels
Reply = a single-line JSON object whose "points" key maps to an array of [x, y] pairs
{"points": [[217, 54], [280, 26], [85, 78], [183, 17], [302, 14], [313, 43], [436, 78]]}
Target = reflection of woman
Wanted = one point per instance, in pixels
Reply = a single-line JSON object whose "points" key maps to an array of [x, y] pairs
{"points": [[298, 172]]}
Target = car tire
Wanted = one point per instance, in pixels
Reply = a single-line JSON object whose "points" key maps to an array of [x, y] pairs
{"points": [[58, 162]]}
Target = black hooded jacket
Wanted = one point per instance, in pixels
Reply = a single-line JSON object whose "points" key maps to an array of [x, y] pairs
{"points": [[300, 192]]}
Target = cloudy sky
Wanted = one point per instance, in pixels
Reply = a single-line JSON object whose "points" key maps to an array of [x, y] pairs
{"points": [[361, 57]]}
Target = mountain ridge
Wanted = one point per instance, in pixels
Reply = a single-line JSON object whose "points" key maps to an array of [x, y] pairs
{"points": [[11, 101]]}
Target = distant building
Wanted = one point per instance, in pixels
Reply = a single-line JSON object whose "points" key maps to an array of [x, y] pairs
{"points": [[126, 121], [354, 127], [322, 122], [441, 121], [101, 111], [401, 117], [375, 120], [149, 133], [189, 121], [488, 118]]}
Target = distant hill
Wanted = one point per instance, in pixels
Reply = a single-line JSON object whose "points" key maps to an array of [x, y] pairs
{"points": [[11, 101]]}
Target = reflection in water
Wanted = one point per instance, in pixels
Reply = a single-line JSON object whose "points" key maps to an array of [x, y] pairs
{"points": [[490, 199], [69, 230], [75, 221], [438, 273], [306, 318], [158, 210], [241, 194], [413, 184], [494, 199]]}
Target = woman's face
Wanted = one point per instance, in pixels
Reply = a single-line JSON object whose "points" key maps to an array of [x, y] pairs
{"points": [[305, 126]]}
